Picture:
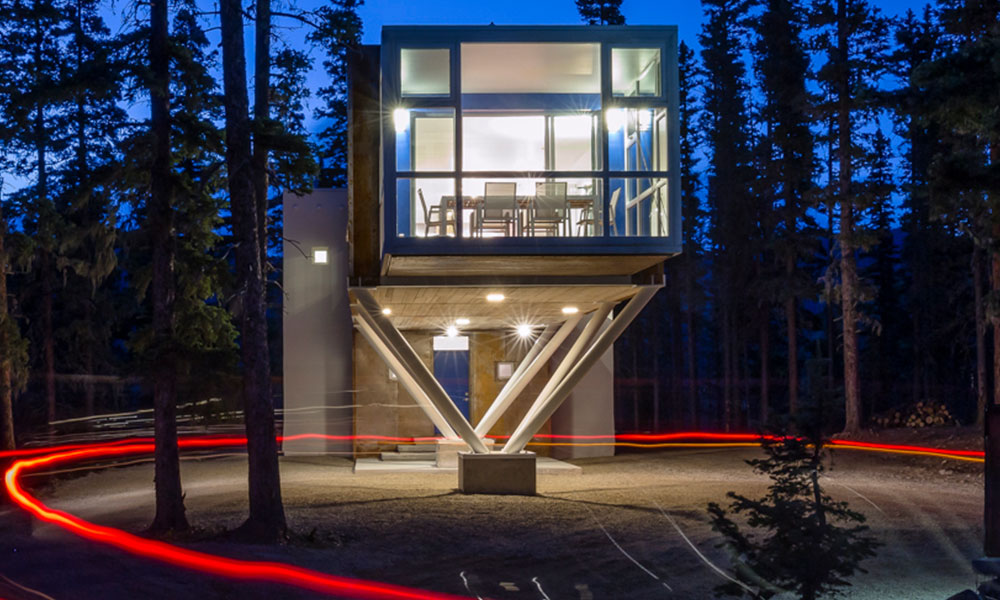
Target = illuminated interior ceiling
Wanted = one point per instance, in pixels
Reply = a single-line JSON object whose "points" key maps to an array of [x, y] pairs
{"points": [[437, 308]]}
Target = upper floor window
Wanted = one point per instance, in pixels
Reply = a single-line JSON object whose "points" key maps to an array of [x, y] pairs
{"points": [[531, 68], [635, 71], [425, 71]]}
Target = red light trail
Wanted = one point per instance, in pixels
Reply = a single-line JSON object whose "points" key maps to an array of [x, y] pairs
{"points": [[27, 459]]}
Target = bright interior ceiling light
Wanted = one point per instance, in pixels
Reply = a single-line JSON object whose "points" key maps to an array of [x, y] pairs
{"points": [[387, 311], [462, 321], [401, 118], [524, 330], [452, 331], [615, 119], [495, 297], [645, 118], [570, 310]]}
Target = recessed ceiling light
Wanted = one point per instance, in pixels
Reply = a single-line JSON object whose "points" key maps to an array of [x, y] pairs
{"points": [[386, 311], [495, 297], [570, 310], [524, 330], [462, 321], [452, 331]]}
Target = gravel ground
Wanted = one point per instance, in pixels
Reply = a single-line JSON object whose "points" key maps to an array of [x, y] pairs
{"points": [[620, 530]]}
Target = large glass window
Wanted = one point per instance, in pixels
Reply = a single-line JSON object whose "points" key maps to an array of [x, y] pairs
{"points": [[519, 68], [532, 207], [635, 71], [638, 207], [425, 71], [425, 139], [637, 139], [533, 142]]}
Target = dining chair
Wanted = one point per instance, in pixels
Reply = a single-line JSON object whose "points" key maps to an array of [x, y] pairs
{"points": [[498, 211], [549, 211], [589, 222], [432, 217]]}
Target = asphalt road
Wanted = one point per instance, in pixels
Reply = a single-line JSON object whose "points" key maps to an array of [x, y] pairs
{"points": [[632, 527]]}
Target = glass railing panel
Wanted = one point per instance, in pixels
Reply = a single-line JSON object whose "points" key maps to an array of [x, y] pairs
{"points": [[532, 207], [425, 207], [637, 139], [639, 207]]}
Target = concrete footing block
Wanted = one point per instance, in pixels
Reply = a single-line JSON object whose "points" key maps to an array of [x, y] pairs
{"points": [[497, 473]]}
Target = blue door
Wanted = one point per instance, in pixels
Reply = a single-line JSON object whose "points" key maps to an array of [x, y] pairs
{"points": [[451, 368]]}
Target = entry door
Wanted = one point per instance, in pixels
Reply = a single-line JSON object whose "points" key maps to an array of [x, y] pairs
{"points": [[451, 368]]}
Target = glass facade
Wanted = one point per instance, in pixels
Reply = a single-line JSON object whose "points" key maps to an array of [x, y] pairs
{"points": [[530, 140]]}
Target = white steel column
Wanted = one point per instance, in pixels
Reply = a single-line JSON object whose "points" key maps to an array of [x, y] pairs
{"points": [[394, 341], [597, 319], [408, 382], [532, 423], [530, 366]]}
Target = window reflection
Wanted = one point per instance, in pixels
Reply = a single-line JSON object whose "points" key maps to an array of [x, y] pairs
{"points": [[425, 71], [635, 71]]}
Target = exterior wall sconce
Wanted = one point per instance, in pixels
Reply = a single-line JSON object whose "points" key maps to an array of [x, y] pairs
{"points": [[504, 370], [320, 256]]}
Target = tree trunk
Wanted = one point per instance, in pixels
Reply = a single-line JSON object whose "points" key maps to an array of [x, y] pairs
{"points": [[848, 266], [791, 325], [980, 311], [727, 372], [765, 375], [267, 515], [995, 288], [169, 495], [692, 365], [6, 405], [48, 336], [261, 112]]}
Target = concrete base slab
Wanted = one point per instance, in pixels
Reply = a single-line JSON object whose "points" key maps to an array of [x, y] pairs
{"points": [[544, 466], [497, 473]]}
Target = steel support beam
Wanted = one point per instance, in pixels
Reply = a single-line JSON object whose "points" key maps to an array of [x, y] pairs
{"points": [[597, 319], [543, 349], [371, 312], [533, 422], [407, 380]]}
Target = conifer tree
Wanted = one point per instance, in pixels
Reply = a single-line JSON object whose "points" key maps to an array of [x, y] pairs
{"points": [[851, 36], [267, 516], [338, 32], [726, 123], [787, 142], [600, 12], [694, 217]]}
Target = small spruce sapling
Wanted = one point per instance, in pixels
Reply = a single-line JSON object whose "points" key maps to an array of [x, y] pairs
{"points": [[798, 542]]}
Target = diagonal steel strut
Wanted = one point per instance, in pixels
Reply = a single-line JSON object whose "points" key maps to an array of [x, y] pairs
{"points": [[537, 357], [533, 421], [394, 341], [408, 382]]}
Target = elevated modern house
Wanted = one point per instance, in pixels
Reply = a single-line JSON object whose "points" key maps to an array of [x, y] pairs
{"points": [[512, 197]]}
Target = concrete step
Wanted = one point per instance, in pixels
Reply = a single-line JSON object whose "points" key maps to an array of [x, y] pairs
{"points": [[418, 447], [406, 456]]}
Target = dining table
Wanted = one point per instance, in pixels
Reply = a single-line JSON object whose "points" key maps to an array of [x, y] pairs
{"points": [[573, 202]]}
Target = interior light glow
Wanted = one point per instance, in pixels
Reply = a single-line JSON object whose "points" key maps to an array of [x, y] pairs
{"points": [[570, 310], [320, 256], [495, 297], [645, 118], [387, 311], [615, 119], [462, 321], [524, 330], [401, 118], [452, 331]]}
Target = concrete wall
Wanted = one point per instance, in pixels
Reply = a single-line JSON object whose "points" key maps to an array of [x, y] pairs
{"points": [[384, 407], [590, 409], [317, 321]]}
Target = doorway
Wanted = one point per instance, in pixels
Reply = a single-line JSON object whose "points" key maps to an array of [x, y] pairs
{"points": [[451, 369]]}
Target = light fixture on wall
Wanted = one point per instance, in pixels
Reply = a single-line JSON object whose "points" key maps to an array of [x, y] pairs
{"points": [[570, 310], [615, 119], [320, 256], [401, 118], [504, 370], [524, 331], [495, 297], [452, 331], [462, 321]]}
